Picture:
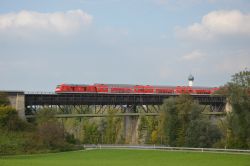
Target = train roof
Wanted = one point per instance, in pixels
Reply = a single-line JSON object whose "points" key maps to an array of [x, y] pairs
{"points": [[132, 85]]}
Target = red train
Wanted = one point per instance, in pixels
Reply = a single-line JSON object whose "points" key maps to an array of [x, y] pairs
{"points": [[133, 89]]}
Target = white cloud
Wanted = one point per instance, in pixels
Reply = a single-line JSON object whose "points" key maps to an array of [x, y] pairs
{"points": [[218, 24], [26, 22], [194, 55]]}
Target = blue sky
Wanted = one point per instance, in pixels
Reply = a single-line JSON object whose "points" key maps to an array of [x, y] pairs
{"points": [[157, 42]]}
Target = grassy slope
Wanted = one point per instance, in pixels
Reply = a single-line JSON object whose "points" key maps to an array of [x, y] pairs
{"points": [[127, 158]]}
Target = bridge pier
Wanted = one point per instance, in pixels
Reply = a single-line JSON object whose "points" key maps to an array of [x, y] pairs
{"points": [[228, 107], [17, 101], [131, 126]]}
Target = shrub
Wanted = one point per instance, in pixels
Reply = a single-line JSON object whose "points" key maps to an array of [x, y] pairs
{"points": [[9, 119]]}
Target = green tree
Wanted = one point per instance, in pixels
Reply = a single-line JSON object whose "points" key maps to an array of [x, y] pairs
{"points": [[162, 128], [182, 124], [177, 116], [91, 133], [113, 127], [200, 132], [237, 123], [171, 122], [148, 130]]}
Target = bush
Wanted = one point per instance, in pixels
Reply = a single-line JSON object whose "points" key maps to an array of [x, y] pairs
{"points": [[12, 142], [51, 134], [9, 119], [19, 137], [70, 138]]}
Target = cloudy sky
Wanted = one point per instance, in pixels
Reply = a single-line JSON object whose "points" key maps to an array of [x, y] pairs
{"points": [[158, 42]]}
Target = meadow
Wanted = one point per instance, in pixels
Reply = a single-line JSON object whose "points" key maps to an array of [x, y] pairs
{"points": [[110, 157]]}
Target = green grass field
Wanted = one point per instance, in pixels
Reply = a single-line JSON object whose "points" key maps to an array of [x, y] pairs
{"points": [[127, 158]]}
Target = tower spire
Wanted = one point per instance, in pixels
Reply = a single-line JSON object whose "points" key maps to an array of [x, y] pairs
{"points": [[190, 80]]}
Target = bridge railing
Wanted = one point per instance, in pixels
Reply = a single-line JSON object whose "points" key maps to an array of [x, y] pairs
{"points": [[39, 92], [161, 147]]}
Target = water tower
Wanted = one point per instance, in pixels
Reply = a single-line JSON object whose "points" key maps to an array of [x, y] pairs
{"points": [[190, 80]]}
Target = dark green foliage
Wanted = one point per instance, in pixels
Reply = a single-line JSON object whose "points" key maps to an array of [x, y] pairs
{"points": [[237, 124], [175, 111], [4, 101], [9, 119], [173, 124], [201, 133], [183, 125], [70, 138]]}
